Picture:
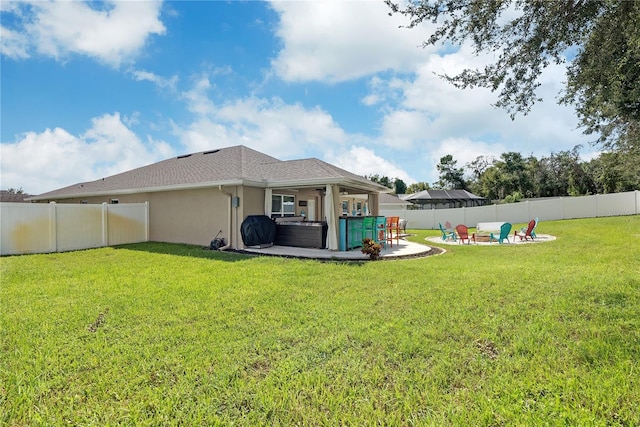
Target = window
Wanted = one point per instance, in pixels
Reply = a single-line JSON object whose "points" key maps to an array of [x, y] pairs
{"points": [[345, 208], [282, 205]]}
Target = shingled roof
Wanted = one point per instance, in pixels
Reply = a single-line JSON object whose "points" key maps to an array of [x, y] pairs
{"points": [[237, 165]]}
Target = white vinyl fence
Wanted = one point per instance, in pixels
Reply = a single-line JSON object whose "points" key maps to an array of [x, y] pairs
{"points": [[546, 210], [41, 228]]}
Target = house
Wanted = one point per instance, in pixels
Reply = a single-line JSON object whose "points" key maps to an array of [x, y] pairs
{"points": [[392, 202], [444, 199], [194, 196]]}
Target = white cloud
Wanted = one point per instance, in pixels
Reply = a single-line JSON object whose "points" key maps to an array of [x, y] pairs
{"points": [[13, 44], [335, 41], [41, 162], [269, 125], [403, 130], [113, 34], [162, 82], [464, 151], [364, 161]]}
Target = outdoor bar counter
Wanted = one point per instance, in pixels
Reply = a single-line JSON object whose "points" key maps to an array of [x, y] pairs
{"points": [[350, 232]]}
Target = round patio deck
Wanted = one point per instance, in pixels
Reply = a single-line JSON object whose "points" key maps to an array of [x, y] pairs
{"points": [[540, 238]]}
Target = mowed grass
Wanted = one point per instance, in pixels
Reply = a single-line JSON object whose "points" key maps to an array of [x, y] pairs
{"points": [[161, 334]]}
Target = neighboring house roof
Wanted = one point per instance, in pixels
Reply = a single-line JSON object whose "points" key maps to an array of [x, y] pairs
{"points": [[442, 195], [237, 165], [392, 199]]}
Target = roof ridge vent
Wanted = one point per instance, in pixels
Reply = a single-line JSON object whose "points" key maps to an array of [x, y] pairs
{"points": [[183, 156], [211, 151]]}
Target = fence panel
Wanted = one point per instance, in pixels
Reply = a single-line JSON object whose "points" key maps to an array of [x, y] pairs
{"points": [[40, 228], [579, 207], [26, 228], [477, 214], [546, 210], [78, 227], [454, 216], [616, 204], [126, 223]]}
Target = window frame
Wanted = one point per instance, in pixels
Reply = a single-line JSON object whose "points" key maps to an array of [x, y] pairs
{"points": [[282, 212]]}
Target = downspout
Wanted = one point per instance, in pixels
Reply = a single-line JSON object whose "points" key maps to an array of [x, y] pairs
{"points": [[229, 195]]}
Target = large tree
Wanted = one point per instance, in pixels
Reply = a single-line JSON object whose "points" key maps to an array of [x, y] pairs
{"points": [[417, 187], [600, 39], [400, 186], [451, 176]]}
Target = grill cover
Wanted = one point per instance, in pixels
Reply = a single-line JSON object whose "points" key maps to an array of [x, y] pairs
{"points": [[258, 230]]}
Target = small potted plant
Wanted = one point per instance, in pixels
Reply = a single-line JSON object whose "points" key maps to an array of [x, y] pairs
{"points": [[371, 247]]}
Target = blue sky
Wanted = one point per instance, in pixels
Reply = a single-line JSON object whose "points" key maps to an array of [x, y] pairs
{"points": [[90, 89]]}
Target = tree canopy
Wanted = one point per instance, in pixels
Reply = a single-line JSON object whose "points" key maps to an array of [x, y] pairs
{"points": [[559, 174], [451, 177], [600, 39]]}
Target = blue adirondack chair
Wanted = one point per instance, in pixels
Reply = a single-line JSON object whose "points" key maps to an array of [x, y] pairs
{"points": [[505, 229], [447, 235]]}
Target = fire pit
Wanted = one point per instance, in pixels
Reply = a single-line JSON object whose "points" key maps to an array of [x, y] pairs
{"points": [[483, 238]]}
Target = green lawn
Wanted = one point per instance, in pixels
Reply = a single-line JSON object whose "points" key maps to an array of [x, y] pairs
{"points": [[159, 334]]}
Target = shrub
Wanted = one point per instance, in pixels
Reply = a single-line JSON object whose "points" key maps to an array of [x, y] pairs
{"points": [[371, 247]]}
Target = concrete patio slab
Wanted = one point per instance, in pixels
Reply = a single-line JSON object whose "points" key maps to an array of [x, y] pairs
{"points": [[403, 249]]}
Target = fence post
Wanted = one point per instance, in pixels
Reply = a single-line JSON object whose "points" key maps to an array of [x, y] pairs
{"points": [[105, 235], [53, 226]]}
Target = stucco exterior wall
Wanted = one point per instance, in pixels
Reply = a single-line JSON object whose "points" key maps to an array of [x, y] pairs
{"points": [[188, 216], [251, 203]]}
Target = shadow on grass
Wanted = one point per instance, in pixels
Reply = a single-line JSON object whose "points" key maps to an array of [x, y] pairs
{"points": [[180, 249], [194, 251]]}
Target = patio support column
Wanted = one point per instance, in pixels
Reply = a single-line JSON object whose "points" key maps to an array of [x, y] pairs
{"points": [[331, 203], [268, 201], [372, 201]]}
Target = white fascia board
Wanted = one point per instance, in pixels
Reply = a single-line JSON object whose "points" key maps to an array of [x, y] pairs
{"points": [[142, 190], [373, 187]]}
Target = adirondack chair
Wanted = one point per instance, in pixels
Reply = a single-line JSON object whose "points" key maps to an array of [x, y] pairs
{"points": [[463, 234], [527, 232], [447, 235], [533, 232], [505, 229]]}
